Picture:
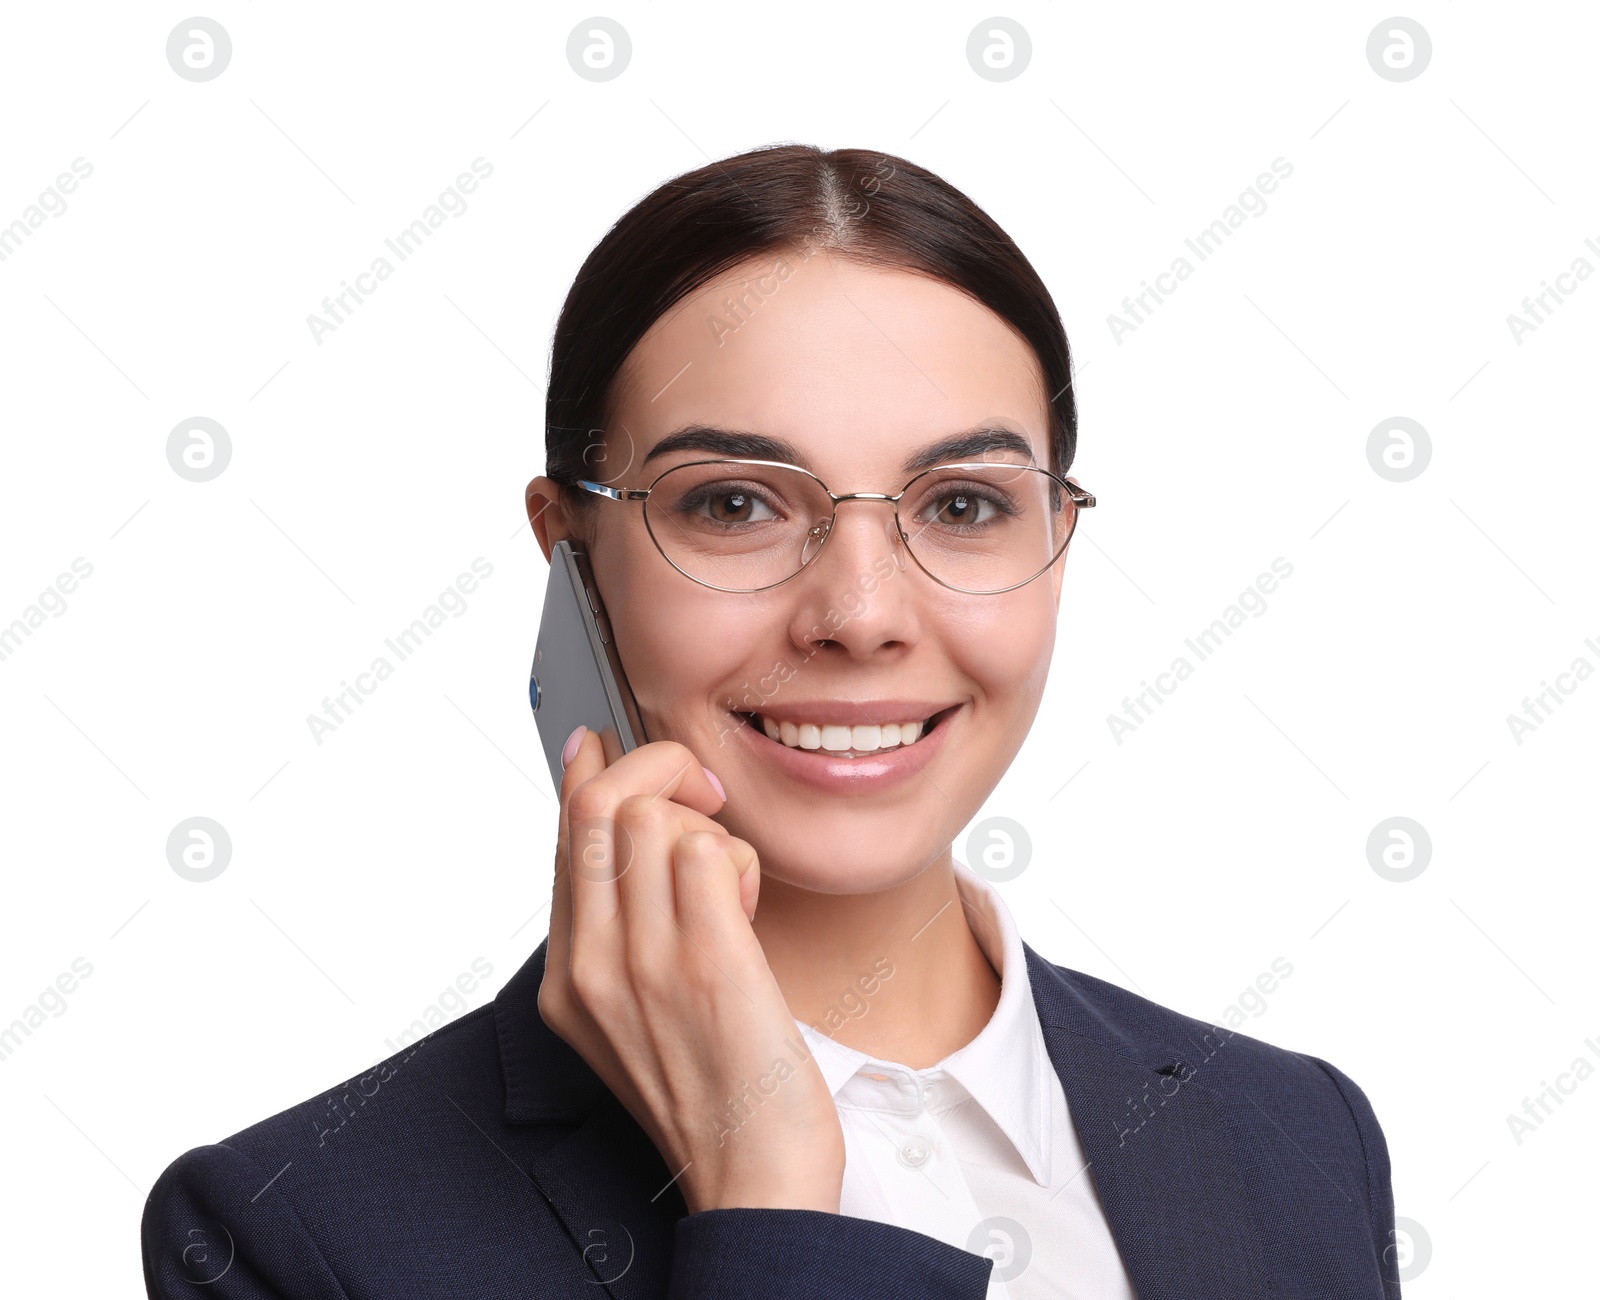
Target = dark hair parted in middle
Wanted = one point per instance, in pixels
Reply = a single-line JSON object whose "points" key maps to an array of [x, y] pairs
{"points": [[869, 207]]}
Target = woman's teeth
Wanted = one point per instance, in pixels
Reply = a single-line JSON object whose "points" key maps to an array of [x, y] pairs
{"points": [[865, 738]]}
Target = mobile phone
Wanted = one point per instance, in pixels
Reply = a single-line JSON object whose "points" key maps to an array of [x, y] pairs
{"points": [[577, 677]]}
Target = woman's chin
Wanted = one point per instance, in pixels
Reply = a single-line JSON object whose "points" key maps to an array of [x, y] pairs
{"points": [[837, 873]]}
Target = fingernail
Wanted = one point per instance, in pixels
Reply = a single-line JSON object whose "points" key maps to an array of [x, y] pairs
{"points": [[571, 747], [712, 777]]}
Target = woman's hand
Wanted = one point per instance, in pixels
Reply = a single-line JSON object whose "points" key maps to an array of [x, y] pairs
{"points": [[656, 979]]}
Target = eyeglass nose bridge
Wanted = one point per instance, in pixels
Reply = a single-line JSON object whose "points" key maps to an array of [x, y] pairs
{"points": [[820, 532]]}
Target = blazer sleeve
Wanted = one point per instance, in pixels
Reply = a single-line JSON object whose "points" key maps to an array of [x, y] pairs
{"points": [[1380, 1192], [764, 1254], [213, 1225]]}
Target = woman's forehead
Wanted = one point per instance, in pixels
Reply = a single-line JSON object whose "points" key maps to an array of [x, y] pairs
{"points": [[838, 354], [828, 315]]}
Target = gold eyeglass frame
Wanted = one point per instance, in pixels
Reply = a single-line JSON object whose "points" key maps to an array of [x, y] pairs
{"points": [[1081, 500]]}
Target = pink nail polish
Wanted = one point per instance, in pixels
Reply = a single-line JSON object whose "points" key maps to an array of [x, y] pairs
{"points": [[571, 747], [712, 777]]}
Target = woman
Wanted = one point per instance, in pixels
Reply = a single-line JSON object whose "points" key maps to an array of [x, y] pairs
{"points": [[779, 1042]]}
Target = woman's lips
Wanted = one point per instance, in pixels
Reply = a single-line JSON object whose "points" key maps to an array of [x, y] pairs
{"points": [[834, 774]]}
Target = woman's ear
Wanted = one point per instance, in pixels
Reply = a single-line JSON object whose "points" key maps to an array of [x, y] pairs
{"points": [[547, 513]]}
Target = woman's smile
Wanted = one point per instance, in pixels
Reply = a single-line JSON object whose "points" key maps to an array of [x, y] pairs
{"points": [[856, 758]]}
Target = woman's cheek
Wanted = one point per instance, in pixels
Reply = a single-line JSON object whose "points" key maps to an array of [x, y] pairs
{"points": [[678, 653], [1005, 643]]}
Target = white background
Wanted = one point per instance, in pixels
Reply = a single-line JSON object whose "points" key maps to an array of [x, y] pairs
{"points": [[371, 468]]}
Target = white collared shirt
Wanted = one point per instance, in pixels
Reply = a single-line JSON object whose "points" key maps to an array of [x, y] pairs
{"points": [[978, 1150]]}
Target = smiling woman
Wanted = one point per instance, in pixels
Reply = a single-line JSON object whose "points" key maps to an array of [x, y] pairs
{"points": [[831, 543]]}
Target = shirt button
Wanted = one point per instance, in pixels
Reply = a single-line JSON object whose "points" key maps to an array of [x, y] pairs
{"points": [[928, 1094], [914, 1153]]}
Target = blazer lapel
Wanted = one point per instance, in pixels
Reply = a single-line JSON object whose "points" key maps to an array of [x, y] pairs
{"points": [[1159, 1144], [605, 1180]]}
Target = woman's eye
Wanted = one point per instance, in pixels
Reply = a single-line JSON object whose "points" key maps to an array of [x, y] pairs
{"points": [[962, 508], [734, 506]]}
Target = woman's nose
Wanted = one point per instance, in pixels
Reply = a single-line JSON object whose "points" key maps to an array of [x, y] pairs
{"points": [[866, 535], [853, 595]]}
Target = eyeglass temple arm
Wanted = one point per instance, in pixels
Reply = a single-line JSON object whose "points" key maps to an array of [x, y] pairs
{"points": [[616, 494], [1081, 498]]}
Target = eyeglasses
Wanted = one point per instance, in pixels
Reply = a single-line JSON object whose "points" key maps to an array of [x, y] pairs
{"points": [[982, 527]]}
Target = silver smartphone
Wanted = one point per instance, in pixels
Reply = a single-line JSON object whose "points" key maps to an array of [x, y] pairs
{"points": [[577, 677]]}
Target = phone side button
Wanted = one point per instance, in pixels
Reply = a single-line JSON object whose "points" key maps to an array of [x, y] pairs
{"points": [[533, 693]]}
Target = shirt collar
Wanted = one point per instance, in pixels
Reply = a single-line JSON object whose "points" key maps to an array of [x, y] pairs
{"points": [[1006, 1068]]}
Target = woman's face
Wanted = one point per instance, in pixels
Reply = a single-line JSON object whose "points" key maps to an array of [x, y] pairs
{"points": [[859, 368]]}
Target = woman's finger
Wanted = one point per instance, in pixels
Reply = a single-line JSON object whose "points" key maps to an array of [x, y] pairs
{"points": [[665, 768], [587, 762], [648, 825], [600, 850], [709, 874]]}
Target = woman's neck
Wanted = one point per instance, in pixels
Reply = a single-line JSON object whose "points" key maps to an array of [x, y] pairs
{"points": [[897, 975]]}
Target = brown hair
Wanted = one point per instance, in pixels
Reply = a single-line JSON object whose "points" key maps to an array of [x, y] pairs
{"points": [[870, 207]]}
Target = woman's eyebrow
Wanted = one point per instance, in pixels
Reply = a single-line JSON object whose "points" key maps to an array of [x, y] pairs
{"points": [[968, 444]]}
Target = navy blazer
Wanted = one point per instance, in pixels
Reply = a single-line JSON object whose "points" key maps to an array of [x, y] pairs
{"points": [[489, 1161]]}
